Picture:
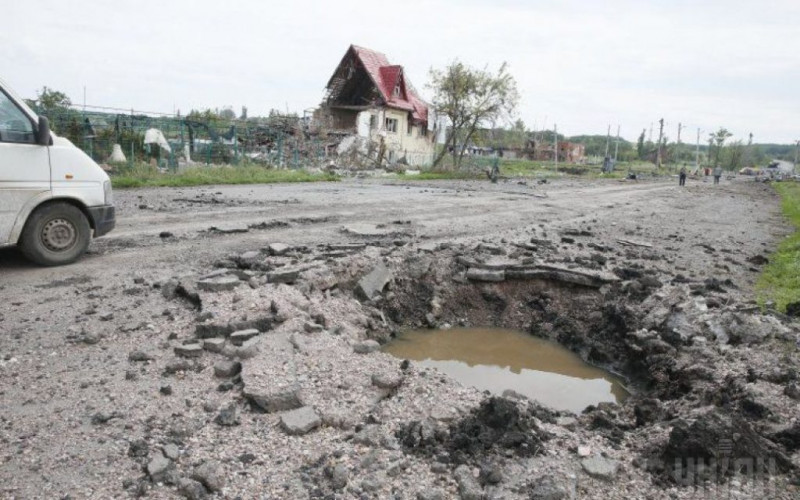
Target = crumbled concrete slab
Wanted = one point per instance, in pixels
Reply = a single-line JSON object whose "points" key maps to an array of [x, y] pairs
{"points": [[366, 347], [600, 467], [159, 466], [219, 284], [269, 378], [300, 421], [278, 249], [193, 350], [283, 275], [372, 285], [227, 368], [487, 275], [239, 337], [214, 344], [369, 230]]}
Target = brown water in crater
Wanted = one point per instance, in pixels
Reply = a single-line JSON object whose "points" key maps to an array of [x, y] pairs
{"points": [[496, 359]]}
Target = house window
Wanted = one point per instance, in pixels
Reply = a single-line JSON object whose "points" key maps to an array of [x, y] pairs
{"points": [[373, 123], [391, 125], [410, 128], [397, 90], [423, 130]]}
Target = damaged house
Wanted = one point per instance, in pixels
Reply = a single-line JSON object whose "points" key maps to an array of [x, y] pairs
{"points": [[373, 108]]}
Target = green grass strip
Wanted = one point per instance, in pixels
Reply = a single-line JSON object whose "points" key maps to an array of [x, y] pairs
{"points": [[780, 280], [145, 176]]}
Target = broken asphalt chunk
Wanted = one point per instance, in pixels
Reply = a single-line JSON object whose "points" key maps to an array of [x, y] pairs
{"points": [[219, 284], [370, 286]]}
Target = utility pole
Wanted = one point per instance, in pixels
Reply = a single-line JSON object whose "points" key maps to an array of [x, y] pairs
{"points": [[678, 144], [608, 136], [658, 146], [697, 152], [555, 141], [616, 146]]}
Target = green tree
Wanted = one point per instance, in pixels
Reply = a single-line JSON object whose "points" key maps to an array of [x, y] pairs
{"points": [[50, 102], [718, 139], [471, 98], [55, 105], [227, 113], [733, 156]]}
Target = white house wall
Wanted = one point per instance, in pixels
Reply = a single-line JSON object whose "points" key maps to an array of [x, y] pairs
{"points": [[417, 150]]}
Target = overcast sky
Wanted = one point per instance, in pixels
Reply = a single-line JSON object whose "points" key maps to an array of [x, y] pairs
{"points": [[580, 64]]}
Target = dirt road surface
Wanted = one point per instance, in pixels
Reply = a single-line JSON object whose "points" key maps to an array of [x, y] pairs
{"points": [[82, 415], [440, 211]]}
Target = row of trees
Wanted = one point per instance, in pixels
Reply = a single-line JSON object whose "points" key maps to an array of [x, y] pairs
{"points": [[475, 100], [717, 151]]}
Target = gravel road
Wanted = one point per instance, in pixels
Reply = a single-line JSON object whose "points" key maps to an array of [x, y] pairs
{"points": [[440, 211], [93, 403]]}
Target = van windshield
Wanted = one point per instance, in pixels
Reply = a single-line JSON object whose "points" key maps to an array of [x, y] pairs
{"points": [[15, 126]]}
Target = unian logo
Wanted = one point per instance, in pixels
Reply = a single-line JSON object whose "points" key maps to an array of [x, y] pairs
{"points": [[726, 476]]}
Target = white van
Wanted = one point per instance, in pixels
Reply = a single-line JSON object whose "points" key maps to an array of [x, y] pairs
{"points": [[53, 197]]}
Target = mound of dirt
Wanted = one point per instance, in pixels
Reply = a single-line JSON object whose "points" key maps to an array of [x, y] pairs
{"points": [[496, 425]]}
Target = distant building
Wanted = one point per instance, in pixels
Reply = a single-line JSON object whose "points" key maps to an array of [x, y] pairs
{"points": [[373, 107], [568, 152]]}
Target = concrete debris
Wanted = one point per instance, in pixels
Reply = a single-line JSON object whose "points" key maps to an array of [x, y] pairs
{"points": [[282, 275], [387, 380], [191, 489], [227, 369], [228, 416], [219, 284], [600, 467], [488, 275], [278, 249], [158, 467], [214, 344], [372, 285], [366, 347], [239, 337], [269, 387], [550, 487], [468, 487], [300, 421], [211, 475], [193, 350]]}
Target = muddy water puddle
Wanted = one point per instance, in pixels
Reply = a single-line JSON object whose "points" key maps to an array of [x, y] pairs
{"points": [[496, 359]]}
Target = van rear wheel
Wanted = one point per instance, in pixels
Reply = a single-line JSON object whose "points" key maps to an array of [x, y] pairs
{"points": [[55, 234]]}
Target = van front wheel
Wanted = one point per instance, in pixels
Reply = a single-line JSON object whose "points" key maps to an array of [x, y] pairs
{"points": [[55, 234]]}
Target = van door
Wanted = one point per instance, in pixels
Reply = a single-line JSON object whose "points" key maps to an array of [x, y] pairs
{"points": [[24, 165]]}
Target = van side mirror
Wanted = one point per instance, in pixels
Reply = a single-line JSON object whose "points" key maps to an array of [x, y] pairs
{"points": [[43, 134]]}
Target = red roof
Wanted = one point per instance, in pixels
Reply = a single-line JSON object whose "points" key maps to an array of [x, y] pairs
{"points": [[386, 77]]}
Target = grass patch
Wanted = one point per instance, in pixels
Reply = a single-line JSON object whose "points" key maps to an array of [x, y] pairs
{"points": [[780, 280], [476, 168], [147, 176]]}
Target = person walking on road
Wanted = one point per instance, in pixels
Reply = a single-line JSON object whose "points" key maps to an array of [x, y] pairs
{"points": [[682, 176], [717, 174]]}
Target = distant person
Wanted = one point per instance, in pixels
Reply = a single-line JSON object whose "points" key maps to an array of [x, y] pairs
{"points": [[717, 174], [682, 176], [494, 173]]}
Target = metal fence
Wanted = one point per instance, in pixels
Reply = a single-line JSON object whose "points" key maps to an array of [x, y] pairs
{"points": [[171, 141]]}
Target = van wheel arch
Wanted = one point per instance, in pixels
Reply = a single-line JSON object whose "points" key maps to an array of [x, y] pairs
{"points": [[56, 232], [72, 201]]}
